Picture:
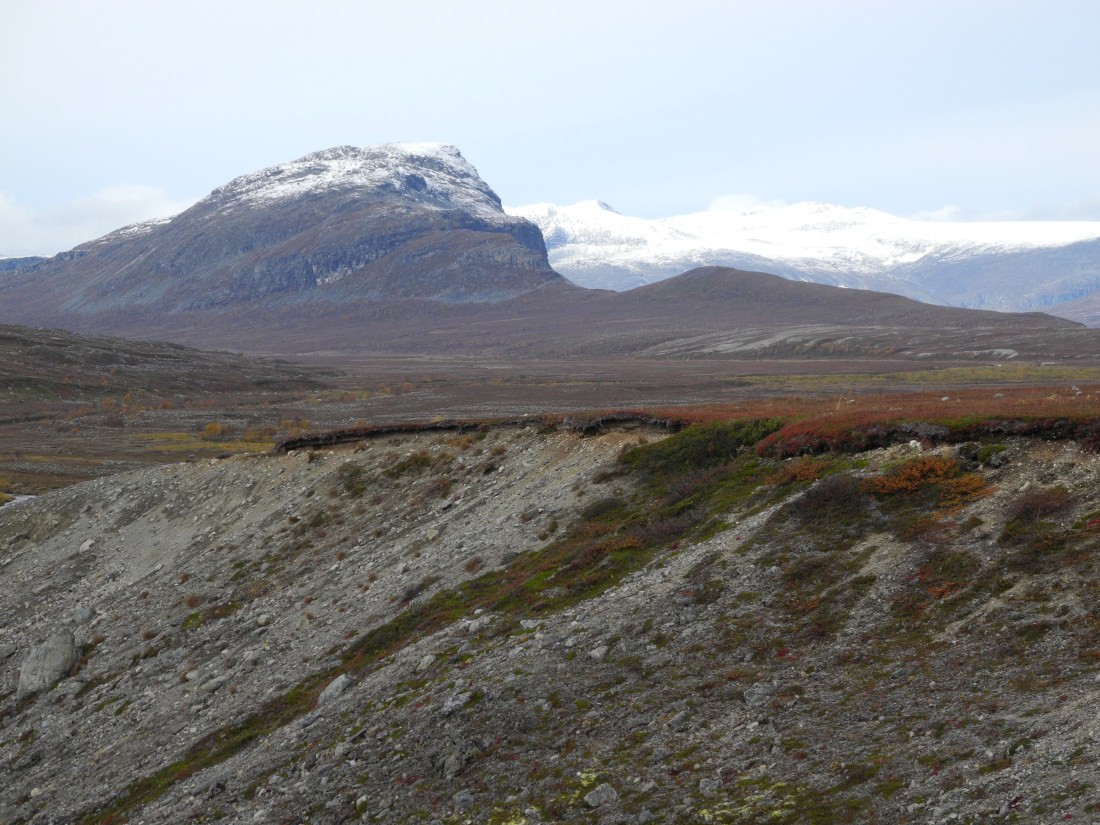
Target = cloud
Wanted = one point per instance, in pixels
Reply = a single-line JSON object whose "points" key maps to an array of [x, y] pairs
{"points": [[953, 213], [58, 228], [741, 202], [1085, 210], [1082, 210]]}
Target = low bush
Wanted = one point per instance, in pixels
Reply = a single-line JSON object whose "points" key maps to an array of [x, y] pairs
{"points": [[834, 496], [1033, 505], [696, 448]]}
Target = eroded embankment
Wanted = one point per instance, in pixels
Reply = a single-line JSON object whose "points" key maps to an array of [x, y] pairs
{"points": [[526, 625]]}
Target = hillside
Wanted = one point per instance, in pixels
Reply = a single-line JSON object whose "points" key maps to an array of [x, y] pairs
{"points": [[713, 312], [657, 628], [716, 312], [48, 365]]}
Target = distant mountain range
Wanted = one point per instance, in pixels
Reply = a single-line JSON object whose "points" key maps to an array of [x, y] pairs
{"points": [[403, 248], [1007, 266]]}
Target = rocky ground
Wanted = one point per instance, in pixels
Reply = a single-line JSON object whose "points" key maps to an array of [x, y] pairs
{"points": [[905, 635]]}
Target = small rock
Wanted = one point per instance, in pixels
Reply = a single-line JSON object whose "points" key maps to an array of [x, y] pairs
{"points": [[709, 786], [759, 694], [82, 615], [679, 721], [601, 795], [474, 625], [453, 764], [211, 685], [456, 702], [598, 653]]}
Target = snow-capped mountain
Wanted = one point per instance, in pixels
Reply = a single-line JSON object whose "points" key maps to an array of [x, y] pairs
{"points": [[997, 265], [344, 225]]}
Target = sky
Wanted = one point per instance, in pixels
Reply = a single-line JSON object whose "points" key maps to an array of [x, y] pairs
{"points": [[117, 111]]}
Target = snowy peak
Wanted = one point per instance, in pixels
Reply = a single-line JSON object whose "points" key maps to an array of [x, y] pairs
{"points": [[434, 174]]}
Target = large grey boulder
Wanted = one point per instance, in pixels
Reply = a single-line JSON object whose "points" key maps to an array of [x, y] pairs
{"points": [[334, 690], [47, 663]]}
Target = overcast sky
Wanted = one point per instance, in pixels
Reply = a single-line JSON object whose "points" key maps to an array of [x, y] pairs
{"points": [[116, 111]]}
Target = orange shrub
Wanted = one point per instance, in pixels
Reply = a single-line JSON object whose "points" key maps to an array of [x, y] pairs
{"points": [[912, 475], [804, 469]]}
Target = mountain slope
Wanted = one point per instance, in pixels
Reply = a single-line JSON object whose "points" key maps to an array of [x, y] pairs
{"points": [[1005, 266], [346, 224]]}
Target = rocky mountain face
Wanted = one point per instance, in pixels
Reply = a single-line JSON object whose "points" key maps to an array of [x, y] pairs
{"points": [[17, 265], [345, 225], [524, 624], [1006, 266]]}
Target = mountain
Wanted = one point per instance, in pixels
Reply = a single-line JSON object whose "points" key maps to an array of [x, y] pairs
{"points": [[403, 248], [1009, 266], [346, 225]]}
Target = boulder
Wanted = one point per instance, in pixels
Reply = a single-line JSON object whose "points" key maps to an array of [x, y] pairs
{"points": [[47, 664], [334, 690]]}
